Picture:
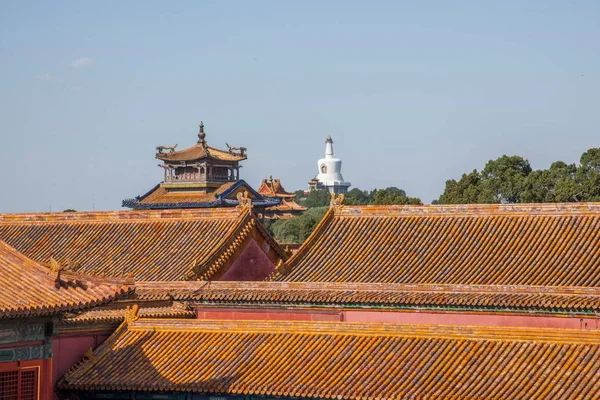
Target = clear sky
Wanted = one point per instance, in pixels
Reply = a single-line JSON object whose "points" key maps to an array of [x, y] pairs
{"points": [[412, 92]]}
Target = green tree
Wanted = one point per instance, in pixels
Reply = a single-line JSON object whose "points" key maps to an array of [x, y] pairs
{"points": [[509, 179], [357, 197], [316, 198], [393, 196], [587, 176], [501, 181], [465, 191], [297, 229]]}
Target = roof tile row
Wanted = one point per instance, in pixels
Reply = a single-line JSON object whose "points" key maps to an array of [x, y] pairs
{"points": [[344, 361]]}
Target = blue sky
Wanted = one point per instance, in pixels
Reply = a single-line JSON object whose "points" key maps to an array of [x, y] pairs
{"points": [[413, 93]]}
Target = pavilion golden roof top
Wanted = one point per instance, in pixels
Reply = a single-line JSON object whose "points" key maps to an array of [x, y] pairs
{"points": [[533, 244], [342, 360], [201, 150]]}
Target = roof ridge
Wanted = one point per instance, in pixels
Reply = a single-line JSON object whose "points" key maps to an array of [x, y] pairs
{"points": [[118, 216], [554, 335], [371, 286], [222, 252], [470, 209]]}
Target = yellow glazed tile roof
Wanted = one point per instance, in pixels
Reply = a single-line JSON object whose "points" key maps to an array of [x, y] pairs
{"points": [[115, 312], [28, 288], [378, 295], [197, 152], [343, 361], [162, 195], [532, 244], [149, 245]]}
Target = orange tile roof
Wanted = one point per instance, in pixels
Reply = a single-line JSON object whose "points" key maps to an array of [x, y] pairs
{"points": [[150, 245], [343, 361], [379, 295], [532, 244], [197, 151], [273, 188], [29, 289], [287, 205], [114, 313], [162, 195]]}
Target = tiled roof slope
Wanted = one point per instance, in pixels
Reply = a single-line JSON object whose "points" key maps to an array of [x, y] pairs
{"points": [[378, 295], [343, 361], [149, 245], [533, 244], [29, 289], [161, 195]]}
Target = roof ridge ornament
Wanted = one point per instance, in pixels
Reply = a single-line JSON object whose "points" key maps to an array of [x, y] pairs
{"points": [[232, 150], [132, 314], [171, 149], [55, 269], [337, 201], [89, 354], [244, 201]]}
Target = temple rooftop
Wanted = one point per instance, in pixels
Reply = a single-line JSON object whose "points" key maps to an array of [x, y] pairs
{"points": [[338, 360]]}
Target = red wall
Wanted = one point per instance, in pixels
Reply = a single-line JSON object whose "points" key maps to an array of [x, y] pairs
{"points": [[480, 319], [399, 317], [252, 265], [268, 314], [69, 350]]}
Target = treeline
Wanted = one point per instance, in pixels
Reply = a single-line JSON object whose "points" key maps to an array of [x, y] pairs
{"points": [[510, 179], [297, 229]]}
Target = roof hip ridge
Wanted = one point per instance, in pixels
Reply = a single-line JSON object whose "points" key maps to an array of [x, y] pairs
{"points": [[471, 209]]}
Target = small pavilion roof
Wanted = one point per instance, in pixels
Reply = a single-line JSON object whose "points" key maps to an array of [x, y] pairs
{"points": [[29, 288], [202, 150], [341, 360], [197, 152], [527, 244], [150, 245], [273, 188]]}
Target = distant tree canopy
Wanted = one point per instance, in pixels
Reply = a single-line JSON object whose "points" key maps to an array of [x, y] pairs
{"points": [[297, 229], [390, 196], [70, 210], [510, 179]]}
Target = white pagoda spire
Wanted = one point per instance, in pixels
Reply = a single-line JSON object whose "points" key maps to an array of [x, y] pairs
{"points": [[330, 172]]}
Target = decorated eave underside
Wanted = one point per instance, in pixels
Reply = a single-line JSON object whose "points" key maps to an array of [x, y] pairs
{"points": [[148, 245], [391, 296], [30, 289], [530, 245], [343, 361], [159, 198]]}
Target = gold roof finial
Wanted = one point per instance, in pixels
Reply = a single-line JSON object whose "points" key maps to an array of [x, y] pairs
{"points": [[201, 134]]}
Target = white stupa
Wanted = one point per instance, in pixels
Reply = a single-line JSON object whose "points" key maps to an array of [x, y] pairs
{"points": [[330, 172]]}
